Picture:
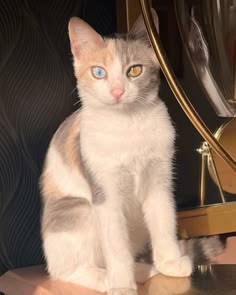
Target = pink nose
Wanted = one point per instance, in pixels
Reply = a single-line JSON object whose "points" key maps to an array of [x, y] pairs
{"points": [[117, 93]]}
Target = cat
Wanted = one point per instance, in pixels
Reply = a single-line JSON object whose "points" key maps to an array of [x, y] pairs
{"points": [[107, 184]]}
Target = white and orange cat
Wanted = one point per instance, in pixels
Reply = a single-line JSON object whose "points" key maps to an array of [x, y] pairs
{"points": [[107, 180]]}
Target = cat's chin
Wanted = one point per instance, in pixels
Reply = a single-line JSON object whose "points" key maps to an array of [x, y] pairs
{"points": [[126, 106], [113, 104], [122, 105]]}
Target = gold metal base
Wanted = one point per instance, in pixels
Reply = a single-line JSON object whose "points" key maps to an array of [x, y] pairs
{"points": [[208, 220], [206, 154]]}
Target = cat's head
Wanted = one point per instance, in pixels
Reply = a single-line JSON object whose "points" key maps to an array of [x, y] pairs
{"points": [[116, 72]]}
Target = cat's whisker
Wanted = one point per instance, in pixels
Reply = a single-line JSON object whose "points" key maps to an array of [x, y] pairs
{"points": [[72, 91], [77, 102], [143, 102], [146, 102], [153, 102]]}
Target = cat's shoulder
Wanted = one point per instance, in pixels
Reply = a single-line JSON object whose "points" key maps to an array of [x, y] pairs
{"points": [[68, 130], [62, 166], [66, 140]]}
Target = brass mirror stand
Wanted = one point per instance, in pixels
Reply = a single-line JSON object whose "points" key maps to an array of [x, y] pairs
{"points": [[204, 220]]}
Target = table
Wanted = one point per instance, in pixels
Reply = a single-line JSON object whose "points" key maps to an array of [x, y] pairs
{"points": [[206, 280]]}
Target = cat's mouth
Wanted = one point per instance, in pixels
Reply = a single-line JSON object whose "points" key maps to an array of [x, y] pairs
{"points": [[124, 105], [121, 102]]}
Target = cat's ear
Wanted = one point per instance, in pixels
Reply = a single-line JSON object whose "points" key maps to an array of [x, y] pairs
{"points": [[82, 36], [139, 28]]}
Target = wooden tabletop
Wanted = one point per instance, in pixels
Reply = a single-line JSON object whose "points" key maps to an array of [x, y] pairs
{"points": [[206, 280]]}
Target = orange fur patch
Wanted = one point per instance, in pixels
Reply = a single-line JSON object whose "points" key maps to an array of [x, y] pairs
{"points": [[48, 186], [70, 153], [71, 148]]}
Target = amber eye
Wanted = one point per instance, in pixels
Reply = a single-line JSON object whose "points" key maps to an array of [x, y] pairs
{"points": [[134, 71]]}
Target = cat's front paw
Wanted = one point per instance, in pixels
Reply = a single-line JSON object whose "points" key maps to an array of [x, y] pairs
{"points": [[122, 291], [181, 267]]}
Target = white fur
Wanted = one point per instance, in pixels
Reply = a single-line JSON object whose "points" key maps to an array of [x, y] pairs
{"points": [[106, 147]]}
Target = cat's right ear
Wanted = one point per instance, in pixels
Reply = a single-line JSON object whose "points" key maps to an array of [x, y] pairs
{"points": [[82, 36], [139, 28]]}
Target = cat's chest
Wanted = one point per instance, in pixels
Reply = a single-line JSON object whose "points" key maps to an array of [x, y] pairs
{"points": [[117, 142]]}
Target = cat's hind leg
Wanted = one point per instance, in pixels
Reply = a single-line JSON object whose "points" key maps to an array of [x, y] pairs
{"points": [[71, 244]]}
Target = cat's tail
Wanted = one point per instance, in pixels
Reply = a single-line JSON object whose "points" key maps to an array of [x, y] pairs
{"points": [[202, 250]]}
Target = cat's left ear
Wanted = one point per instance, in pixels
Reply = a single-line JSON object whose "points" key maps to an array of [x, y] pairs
{"points": [[139, 28], [83, 38]]}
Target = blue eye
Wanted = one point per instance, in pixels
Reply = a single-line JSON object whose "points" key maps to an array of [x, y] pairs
{"points": [[99, 72]]}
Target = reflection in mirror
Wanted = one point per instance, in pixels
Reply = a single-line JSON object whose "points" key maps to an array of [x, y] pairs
{"points": [[208, 29]]}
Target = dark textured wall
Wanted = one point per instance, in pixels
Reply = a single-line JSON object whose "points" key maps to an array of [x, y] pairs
{"points": [[37, 91]]}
